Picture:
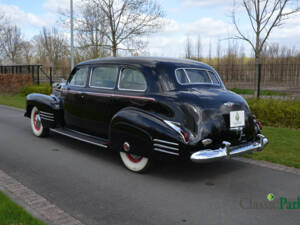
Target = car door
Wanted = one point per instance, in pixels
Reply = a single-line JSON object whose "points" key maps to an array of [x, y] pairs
{"points": [[99, 103], [74, 94]]}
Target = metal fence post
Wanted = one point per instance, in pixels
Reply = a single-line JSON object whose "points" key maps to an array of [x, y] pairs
{"points": [[259, 80], [51, 81], [32, 73], [38, 75]]}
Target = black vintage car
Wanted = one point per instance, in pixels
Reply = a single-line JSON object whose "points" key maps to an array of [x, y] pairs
{"points": [[148, 109]]}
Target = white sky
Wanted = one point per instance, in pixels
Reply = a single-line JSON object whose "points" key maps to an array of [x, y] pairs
{"points": [[208, 18]]}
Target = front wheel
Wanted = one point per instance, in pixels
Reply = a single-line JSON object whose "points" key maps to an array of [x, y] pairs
{"points": [[36, 124], [135, 163]]}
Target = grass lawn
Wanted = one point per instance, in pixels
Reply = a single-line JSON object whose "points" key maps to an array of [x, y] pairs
{"points": [[262, 92], [283, 148], [11, 213], [18, 100]]}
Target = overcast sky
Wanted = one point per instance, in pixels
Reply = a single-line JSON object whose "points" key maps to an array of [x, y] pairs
{"points": [[208, 18]]}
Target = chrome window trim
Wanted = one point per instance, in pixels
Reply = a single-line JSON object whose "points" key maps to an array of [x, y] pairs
{"points": [[206, 70], [91, 73], [72, 85], [125, 89]]}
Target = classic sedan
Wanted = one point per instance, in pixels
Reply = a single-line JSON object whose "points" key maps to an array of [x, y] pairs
{"points": [[149, 109]]}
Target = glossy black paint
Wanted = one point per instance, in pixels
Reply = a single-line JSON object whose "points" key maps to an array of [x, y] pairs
{"points": [[139, 117]]}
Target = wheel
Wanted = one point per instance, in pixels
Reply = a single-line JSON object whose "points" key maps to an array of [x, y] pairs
{"points": [[36, 124], [135, 163]]}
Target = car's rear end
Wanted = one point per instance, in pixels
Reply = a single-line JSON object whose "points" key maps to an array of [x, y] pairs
{"points": [[214, 123]]}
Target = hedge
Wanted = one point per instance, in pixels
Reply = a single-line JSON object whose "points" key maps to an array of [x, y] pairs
{"points": [[42, 89], [276, 113]]}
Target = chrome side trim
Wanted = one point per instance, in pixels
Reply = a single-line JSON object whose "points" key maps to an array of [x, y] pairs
{"points": [[42, 115], [166, 147], [207, 155], [77, 138], [164, 151], [46, 113], [165, 142], [44, 118], [111, 95]]}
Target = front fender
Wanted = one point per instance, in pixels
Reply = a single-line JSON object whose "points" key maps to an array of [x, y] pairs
{"points": [[50, 105], [139, 128]]}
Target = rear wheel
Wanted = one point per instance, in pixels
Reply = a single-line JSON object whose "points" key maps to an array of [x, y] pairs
{"points": [[36, 124], [135, 163]]}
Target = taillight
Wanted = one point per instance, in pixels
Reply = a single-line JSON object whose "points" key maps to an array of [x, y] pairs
{"points": [[176, 127], [185, 136], [259, 125]]}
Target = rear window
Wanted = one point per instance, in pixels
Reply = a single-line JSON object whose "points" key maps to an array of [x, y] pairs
{"points": [[196, 76]]}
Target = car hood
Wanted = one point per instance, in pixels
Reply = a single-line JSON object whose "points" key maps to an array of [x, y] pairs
{"points": [[204, 113]]}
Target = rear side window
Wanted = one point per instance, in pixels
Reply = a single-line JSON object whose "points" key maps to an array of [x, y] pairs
{"points": [[104, 77], [80, 76], [132, 80], [213, 77], [195, 76]]}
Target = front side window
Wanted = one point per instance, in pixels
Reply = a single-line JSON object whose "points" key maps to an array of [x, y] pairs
{"points": [[132, 80], [80, 76], [195, 76], [104, 77]]}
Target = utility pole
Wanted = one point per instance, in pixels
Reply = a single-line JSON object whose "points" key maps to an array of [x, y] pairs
{"points": [[72, 34]]}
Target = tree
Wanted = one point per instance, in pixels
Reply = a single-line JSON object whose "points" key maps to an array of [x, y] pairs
{"points": [[27, 49], [199, 48], [128, 21], [52, 47], [188, 48], [264, 16], [11, 43], [91, 29]]}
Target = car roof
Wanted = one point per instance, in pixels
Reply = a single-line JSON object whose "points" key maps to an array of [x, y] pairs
{"points": [[145, 61]]}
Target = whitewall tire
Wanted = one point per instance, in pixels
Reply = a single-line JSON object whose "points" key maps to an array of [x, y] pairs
{"points": [[138, 164], [36, 123]]}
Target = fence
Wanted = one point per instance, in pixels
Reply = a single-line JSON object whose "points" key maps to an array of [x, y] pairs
{"points": [[39, 73], [273, 76], [282, 77]]}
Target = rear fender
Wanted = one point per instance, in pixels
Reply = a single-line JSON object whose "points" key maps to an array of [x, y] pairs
{"points": [[139, 129], [50, 108]]}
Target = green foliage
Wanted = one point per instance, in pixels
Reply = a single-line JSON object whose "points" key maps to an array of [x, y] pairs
{"points": [[41, 89], [276, 113], [283, 148], [11, 213]]}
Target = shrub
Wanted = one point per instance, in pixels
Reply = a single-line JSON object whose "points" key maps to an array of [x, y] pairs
{"points": [[41, 89], [13, 83], [276, 113]]}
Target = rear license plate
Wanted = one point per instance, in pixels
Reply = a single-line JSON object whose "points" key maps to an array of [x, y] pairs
{"points": [[237, 119]]}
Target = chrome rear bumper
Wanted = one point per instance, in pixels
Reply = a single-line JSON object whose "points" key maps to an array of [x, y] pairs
{"points": [[207, 155]]}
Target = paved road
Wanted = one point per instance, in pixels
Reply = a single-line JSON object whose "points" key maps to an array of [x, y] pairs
{"points": [[91, 184]]}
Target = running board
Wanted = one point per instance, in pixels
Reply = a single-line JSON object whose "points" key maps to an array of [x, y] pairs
{"points": [[82, 137]]}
